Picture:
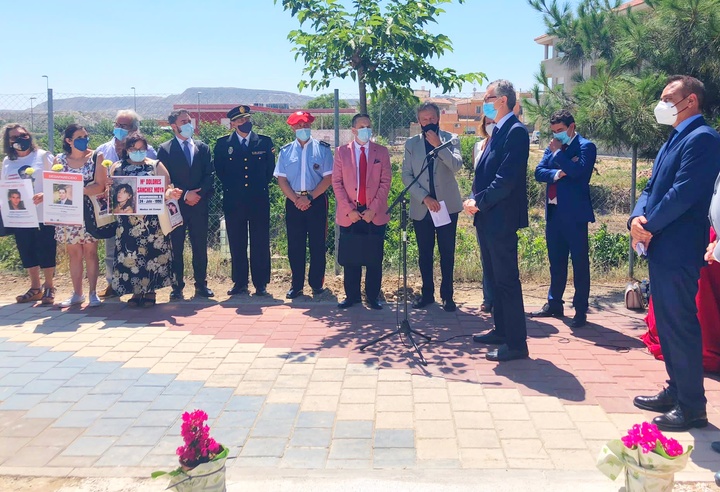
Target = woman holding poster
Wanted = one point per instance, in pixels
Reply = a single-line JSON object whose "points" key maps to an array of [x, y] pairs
{"points": [[77, 158], [143, 258], [36, 245]]}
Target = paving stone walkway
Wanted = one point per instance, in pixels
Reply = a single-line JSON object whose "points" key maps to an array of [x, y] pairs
{"points": [[87, 391]]}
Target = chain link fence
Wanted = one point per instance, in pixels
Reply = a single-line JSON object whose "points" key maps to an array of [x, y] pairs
{"points": [[47, 115]]}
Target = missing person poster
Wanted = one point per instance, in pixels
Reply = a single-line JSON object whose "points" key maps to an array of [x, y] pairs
{"points": [[63, 198], [137, 195], [16, 204], [176, 218]]}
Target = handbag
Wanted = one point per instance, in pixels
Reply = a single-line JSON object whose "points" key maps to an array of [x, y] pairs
{"points": [[634, 298], [360, 249], [99, 222]]}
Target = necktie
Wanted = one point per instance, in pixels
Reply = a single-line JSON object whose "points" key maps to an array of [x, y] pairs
{"points": [[552, 189], [363, 177], [186, 149]]}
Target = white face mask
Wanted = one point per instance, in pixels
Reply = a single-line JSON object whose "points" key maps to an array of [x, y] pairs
{"points": [[489, 128], [665, 113]]}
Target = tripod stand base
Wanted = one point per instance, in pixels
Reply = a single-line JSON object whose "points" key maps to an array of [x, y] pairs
{"points": [[408, 332]]}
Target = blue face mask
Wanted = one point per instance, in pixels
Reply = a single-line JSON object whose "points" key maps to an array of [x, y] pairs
{"points": [[81, 144], [489, 110], [137, 155], [187, 130], [120, 133], [562, 137], [364, 134], [303, 134]]}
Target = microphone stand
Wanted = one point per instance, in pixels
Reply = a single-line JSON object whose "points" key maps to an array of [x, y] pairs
{"points": [[404, 327]]}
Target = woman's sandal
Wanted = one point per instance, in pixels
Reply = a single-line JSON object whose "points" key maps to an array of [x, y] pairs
{"points": [[135, 301], [31, 295], [48, 296], [149, 299]]}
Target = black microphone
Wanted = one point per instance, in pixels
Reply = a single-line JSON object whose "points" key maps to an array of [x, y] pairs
{"points": [[444, 145]]}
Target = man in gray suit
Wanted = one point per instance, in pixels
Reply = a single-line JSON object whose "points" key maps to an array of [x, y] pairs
{"points": [[437, 184]]}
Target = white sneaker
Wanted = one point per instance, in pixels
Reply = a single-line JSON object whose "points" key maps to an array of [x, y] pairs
{"points": [[94, 300], [73, 301]]}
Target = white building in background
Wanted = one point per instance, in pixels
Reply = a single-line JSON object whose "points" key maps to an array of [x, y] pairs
{"points": [[559, 72]]}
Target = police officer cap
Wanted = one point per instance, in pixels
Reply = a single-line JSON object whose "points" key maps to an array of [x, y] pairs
{"points": [[241, 111], [300, 117]]}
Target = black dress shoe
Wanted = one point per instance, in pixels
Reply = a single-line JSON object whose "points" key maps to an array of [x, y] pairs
{"points": [[347, 303], [679, 420], [421, 303], [715, 445], [375, 305], [293, 293], [505, 353], [261, 291], [238, 289], [204, 291], [320, 291], [448, 305], [490, 338], [578, 321], [176, 295], [662, 402], [546, 312]]}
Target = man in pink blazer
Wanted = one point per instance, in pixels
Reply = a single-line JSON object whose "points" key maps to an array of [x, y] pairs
{"points": [[361, 179]]}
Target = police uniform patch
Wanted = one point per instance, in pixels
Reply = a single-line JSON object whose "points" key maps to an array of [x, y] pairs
{"points": [[258, 152], [230, 150]]}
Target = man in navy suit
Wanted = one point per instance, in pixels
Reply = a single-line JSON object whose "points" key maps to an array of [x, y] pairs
{"points": [[190, 165], [566, 167], [500, 208], [670, 221]]}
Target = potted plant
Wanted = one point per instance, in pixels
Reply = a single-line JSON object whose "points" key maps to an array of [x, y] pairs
{"points": [[649, 459], [202, 459]]}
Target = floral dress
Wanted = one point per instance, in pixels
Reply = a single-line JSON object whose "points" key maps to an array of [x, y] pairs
{"points": [[70, 234], [143, 256]]}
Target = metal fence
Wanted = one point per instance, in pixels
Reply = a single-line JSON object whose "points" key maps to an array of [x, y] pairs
{"points": [[47, 114]]}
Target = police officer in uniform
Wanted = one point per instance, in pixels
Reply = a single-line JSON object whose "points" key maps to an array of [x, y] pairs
{"points": [[244, 163], [304, 171]]}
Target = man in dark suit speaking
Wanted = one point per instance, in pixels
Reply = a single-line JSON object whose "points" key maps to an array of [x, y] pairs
{"points": [[566, 167], [500, 208], [670, 221], [189, 163]]}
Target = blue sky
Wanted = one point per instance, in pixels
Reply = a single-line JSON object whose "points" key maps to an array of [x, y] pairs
{"points": [[161, 46]]}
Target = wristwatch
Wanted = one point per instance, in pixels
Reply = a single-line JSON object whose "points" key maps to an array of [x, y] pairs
{"points": [[309, 197]]}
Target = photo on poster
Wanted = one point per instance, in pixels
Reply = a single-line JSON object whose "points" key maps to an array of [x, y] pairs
{"points": [[63, 203], [62, 194], [123, 195], [16, 204]]}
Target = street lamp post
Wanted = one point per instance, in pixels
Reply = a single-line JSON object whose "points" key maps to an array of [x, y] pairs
{"points": [[32, 117], [50, 114], [134, 99], [197, 123]]}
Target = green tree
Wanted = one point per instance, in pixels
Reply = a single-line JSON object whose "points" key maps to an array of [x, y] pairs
{"points": [[378, 44], [390, 112], [326, 101]]}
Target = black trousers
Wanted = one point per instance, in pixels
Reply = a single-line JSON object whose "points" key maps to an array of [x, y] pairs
{"points": [[500, 249], [305, 228], [251, 218], [37, 246], [425, 232], [567, 238], [195, 224], [373, 273], [673, 290]]}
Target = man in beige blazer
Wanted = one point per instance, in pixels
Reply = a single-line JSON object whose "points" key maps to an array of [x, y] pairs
{"points": [[437, 184]]}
